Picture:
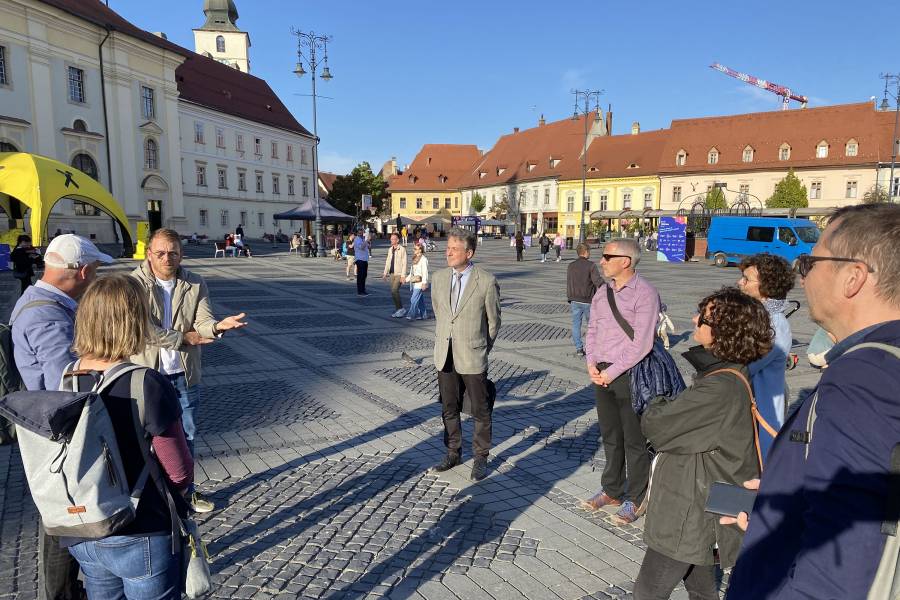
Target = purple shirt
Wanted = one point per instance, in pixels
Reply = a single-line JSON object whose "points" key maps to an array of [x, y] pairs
{"points": [[638, 301]]}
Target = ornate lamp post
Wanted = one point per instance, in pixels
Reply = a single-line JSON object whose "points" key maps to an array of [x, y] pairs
{"points": [[892, 78], [587, 96], [313, 43]]}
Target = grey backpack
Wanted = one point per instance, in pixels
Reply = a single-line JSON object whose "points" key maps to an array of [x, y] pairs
{"points": [[71, 458]]}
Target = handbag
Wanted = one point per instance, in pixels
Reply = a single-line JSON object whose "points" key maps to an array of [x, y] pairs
{"points": [[654, 375]]}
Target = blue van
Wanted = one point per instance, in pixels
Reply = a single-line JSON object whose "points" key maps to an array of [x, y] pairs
{"points": [[731, 238]]}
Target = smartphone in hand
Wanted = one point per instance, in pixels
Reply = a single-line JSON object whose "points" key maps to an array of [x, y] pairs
{"points": [[729, 500]]}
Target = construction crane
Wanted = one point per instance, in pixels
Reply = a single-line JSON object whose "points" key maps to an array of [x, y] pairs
{"points": [[786, 94]]}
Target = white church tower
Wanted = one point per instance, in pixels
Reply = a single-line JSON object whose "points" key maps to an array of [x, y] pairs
{"points": [[220, 37]]}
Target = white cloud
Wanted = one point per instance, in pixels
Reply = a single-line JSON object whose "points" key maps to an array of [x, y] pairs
{"points": [[337, 163]]}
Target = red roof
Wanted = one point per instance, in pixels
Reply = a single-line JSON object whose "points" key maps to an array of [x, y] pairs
{"points": [[327, 181], [437, 167], [765, 132], [621, 156]]}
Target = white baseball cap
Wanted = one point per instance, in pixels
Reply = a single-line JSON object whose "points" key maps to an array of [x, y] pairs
{"points": [[70, 251]]}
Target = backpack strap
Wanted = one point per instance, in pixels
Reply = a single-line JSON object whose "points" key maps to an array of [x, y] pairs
{"points": [[31, 304], [889, 525], [754, 411]]}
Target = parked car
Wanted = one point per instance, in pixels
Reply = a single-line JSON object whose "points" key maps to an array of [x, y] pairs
{"points": [[731, 238]]}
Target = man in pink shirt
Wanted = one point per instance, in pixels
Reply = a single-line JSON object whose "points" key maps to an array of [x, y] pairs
{"points": [[611, 353]]}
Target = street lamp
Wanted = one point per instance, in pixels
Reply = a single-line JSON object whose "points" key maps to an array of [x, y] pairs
{"points": [[891, 78], [587, 96], [312, 43]]}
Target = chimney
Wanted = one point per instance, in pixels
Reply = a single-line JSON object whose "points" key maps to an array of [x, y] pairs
{"points": [[635, 128], [609, 120], [515, 130], [541, 121]]}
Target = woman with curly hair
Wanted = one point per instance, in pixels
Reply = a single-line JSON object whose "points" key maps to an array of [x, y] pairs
{"points": [[705, 434], [769, 278]]}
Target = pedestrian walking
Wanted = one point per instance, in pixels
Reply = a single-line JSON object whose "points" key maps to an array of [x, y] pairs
{"points": [[181, 322], [558, 242], [520, 246], [419, 280], [827, 499], [112, 323], [23, 258], [466, 304], [43, 330], [610, 355], [350, 254], [394, 272], [405, 233], [582, 280], [544, 243], [361, 252], [704, 435], [769, 278]]}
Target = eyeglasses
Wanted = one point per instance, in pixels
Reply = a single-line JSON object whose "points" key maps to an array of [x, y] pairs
{"points": [[609, 257], [805, 262], [746, 279], [701, 320]]}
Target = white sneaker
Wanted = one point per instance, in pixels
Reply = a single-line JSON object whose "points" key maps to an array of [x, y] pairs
{"points": [[401, 312]]}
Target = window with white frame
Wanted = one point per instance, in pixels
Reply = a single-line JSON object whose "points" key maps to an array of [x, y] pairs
{"points": [[896, 190], [815, 190], [626, 201], [822, 149], [239, 142], [83, 209], [274, 149], [220, 137], [570, 203], [586, 202], [546, 196], [201, 175], [204, 218], [402, 202], [242, 181], [784, 152], [852, 148], [290, 181], [243, 219], [290, 153], [713, 156], [76, 85], [4, 70], [676, 194], [198, 132], [261, 219], [748, 154], [223, 217], [604, 201], [851, 189], [276, 183], [456, 203], [744, 191], [259, 183], [304, 186], [648, 199], [681, 158], [151, 155], [223, 178], [257, 146], [447, 203], [148, 103], [435, 203], [220, 43]]}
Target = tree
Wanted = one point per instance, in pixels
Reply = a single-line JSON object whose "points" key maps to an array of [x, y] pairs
{"points": [[715, 198], [500, 210], [876, 195], [347, 192], [789, 193], [477, 203]]}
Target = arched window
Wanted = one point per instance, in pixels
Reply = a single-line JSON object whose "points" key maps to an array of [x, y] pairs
{"points": [[748, 154], [681, 158], [784, 152], [822, 149], [852, 148], [79, 125], [220, 43], [151, 155], [86, 164], [7, 147], [713, 156]]}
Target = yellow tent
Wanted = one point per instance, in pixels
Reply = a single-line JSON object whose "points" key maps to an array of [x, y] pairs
{"points": [[29, 181]]}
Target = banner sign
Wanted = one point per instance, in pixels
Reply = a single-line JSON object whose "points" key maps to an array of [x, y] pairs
{"points": [[672, 242], [366, 202]]}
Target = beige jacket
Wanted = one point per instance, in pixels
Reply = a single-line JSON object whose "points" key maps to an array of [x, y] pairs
{"points": [[475, 325], [400, 266], [190, 310]]}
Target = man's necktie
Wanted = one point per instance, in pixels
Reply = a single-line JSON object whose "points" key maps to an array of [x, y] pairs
{"points": [[455, 291]]}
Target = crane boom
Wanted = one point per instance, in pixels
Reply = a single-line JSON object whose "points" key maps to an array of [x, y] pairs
{"points": [[785, 93]]}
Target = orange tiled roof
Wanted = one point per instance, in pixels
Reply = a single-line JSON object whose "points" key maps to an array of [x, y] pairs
{"points": [[327, 181], [765, 132], [538, 153], [437, 167], [621, 156]]}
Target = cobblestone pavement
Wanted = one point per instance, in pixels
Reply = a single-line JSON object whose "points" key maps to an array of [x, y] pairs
{"points": [[316, 436]]}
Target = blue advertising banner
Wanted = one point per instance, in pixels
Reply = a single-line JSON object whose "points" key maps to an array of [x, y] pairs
{"points": [[672, 242]]}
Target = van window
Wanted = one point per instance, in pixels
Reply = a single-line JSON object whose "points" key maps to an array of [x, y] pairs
{"points": [[760, 234], [786, 235], [810, 235]]}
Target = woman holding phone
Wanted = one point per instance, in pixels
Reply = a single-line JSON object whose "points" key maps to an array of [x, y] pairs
{"points": [[705, 434]]}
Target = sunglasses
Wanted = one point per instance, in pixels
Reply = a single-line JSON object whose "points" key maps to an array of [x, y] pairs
{"points": [[701, 320], [609, 257], [805, 262]]}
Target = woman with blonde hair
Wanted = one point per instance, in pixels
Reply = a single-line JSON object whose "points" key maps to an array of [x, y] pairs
{"points": [[418, 278], [112, 323]]}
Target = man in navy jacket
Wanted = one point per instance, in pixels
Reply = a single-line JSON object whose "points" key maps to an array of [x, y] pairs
{"points": [[815, 530]]}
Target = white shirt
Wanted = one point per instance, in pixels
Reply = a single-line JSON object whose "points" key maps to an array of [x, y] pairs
{"points": [[456, 295], [169, 360]]}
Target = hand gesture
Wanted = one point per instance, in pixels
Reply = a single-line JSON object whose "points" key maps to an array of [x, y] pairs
{"points": [[232, 322], [743, 519], [192, 338]]}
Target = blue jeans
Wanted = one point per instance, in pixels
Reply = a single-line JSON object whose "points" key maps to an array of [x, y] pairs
{"points": [[189, 398], [133, 567], [581, 311], [417, 304]]}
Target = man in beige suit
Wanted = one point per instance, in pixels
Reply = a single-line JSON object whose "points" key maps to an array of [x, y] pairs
{"points": [[466, 304], [395, 271]]}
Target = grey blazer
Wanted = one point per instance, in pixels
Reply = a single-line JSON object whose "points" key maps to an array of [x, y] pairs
{"points": [[473, 328]]}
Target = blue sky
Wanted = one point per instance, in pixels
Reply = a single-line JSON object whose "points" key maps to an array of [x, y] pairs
{"points": [[465, 72]]}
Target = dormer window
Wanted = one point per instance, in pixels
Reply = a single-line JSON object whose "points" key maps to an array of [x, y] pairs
{"points": [[784, 152], [852, 148], [412, 178], [748, 154], [713, 156], [428, 161], [442, 179], [530, 167], [482, 174], [681, 158], [554, 162], [633, 166], [501, 170], [822, 149]]}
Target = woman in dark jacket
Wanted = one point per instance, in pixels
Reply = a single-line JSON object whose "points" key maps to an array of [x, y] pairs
{"points": [[703, 435], [23, 258]]}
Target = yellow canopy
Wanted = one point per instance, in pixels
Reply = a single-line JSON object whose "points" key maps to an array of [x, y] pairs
{"points": [[38, 183]]}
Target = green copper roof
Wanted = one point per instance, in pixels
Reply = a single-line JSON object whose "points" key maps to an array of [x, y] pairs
{"points": [[221, 15]]}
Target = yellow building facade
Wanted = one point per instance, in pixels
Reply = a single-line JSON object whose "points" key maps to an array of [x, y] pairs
{"points": [[604, 194], [421, 204]]}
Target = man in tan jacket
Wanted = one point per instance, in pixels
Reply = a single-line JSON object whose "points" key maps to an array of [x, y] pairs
{"points": [[183, 321], [395, 271]]}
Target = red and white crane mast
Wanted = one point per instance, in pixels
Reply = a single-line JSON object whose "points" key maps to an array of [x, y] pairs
{"points": [[786, 94]]}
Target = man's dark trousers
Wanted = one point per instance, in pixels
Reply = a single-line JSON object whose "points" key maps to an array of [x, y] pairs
{"points": [[623, 442], [452, 386], [362, 270], [57, 570]]}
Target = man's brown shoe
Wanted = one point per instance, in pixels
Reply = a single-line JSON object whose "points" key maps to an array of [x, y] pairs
{"points": [[598, 501], [450, 461]]}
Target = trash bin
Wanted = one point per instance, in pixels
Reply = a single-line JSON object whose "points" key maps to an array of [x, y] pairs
{"points": [[569, 242]]}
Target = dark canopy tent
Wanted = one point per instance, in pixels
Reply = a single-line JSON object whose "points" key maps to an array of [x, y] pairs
{"points": [[307, 212]]}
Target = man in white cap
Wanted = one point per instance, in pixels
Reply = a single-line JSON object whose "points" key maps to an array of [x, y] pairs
{"points": [[43, 329]]}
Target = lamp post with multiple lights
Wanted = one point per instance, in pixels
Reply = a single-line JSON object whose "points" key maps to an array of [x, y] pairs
{"points": [[885, 106], [587, 96]]}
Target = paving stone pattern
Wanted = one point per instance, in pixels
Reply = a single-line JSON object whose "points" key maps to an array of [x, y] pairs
{"points": [[315, 442]]}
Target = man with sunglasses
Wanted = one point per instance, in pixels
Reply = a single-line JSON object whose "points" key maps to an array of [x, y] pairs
{"points": [[817, 529], [611, 352], [182, 322]]}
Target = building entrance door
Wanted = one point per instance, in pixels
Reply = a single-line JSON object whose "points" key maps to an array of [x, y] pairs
{"points": [[154, 214]]}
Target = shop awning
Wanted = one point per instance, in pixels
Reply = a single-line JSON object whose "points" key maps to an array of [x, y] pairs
{"points": [[307, 212]]}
